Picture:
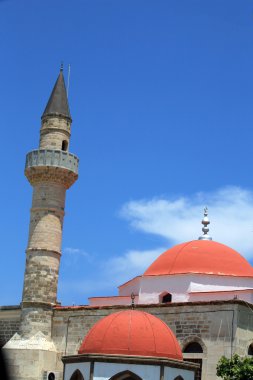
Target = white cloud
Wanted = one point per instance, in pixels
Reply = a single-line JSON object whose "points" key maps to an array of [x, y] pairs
{"points": [[73, 256], [130, 264], [76, 251], [178, 219]]}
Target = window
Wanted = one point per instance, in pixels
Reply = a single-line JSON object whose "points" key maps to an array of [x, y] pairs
{"points": [[193, 347], [165, 297], [250, 350], [126, 375], [77, 375], [64, 145], [198, 373], [196, 350], [179, 378]]}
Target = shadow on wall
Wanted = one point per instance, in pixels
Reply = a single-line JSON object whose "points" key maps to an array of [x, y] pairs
{"points": [[3, 367]]}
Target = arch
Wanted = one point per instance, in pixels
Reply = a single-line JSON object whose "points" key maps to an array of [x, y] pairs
{"points": [[125, 375], [64, 145], [193, 347], [250, 349], [165, 297], [77, 375], [179, 378], [194, 339], [194, 350]]}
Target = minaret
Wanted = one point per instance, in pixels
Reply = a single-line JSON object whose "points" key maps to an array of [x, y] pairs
{"points": [[51, 170]]}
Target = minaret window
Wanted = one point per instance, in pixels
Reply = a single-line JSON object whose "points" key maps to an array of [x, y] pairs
{"points": [[64, 145]]}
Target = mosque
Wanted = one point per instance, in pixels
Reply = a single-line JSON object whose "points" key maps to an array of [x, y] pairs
{"points": [[173, 322]]}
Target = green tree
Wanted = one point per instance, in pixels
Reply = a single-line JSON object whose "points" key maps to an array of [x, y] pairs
{"points": [[236, 368]]}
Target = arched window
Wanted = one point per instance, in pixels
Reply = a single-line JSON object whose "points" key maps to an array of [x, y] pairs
{"points": [[64, 145], [193, 347], [126, 375], [165, 297], [179, 378], [77, 375], [194, 353], [250, 349]]}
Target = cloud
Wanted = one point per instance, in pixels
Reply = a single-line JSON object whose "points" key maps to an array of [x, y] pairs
{"points": [[103, 276], [178, 219], [132, 263], [76, 252], [75, 257]]}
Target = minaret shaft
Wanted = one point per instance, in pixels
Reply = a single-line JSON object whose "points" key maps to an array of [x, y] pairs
{"points": [[44, 243], [47, 217]]}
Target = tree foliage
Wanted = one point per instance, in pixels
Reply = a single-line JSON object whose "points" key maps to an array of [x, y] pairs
{"points": [[236, 368]]}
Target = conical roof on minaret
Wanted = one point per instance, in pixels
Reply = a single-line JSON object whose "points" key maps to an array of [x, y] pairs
{"points": [[58, 102]]}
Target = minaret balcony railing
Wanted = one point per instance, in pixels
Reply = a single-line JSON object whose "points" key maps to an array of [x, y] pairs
{"points": [[51, 157]]}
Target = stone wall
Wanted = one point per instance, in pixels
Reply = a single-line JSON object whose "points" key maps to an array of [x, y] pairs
{"points": [[244, 331], [53, 131], [221, 328], [9, 322]]}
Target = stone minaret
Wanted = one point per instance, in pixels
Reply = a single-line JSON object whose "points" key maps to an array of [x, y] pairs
{"points": [[51, 170]]}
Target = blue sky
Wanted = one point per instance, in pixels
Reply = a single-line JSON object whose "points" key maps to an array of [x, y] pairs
{"points": [[161, 96]]}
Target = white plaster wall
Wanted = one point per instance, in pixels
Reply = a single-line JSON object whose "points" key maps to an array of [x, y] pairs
{"points": [[130, 286], [180, 286], [223, 296], [108, 301], [172, 373], [104, 371], [84, 368]]}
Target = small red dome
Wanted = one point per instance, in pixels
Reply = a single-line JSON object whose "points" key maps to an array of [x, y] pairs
{"points": [[200, 256], [131, 332]]}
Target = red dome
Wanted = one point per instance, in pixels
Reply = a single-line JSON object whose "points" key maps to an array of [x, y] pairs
{"points": [[200, 256], [131, 332]]}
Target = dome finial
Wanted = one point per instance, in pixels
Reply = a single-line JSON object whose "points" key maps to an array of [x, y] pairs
{"points": [[132, 298], [205, 229]]}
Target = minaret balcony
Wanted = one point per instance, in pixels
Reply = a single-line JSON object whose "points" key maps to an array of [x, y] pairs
{"points": [[52, 158]]}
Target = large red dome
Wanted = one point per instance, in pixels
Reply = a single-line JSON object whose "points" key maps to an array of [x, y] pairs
{"points": [[203, 257], [131, 332]]}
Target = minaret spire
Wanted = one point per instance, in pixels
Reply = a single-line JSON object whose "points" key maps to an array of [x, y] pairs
{"points": [[205, 229], [58, 102]]}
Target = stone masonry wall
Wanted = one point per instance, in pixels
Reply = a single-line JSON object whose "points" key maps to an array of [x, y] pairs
{"points": [[222, 328], [41, 276], [53, 131], [9, 323], [213, 325], [47, 214], [244, 332]]}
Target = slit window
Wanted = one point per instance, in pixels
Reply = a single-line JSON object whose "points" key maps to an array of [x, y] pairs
{"points": [[64, 145]]}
